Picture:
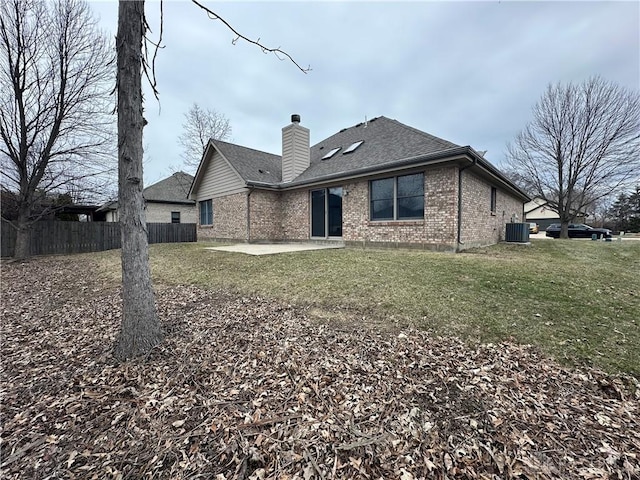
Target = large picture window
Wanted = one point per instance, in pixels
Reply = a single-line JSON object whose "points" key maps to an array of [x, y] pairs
{"points": [[206, 212], [397, 198]]}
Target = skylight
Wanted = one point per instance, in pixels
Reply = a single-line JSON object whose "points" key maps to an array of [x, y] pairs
{"points": [[353, 147], [331, 153]]}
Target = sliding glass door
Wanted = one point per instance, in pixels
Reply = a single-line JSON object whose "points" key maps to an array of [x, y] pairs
{"points": [[326, 213], [318, 203]]}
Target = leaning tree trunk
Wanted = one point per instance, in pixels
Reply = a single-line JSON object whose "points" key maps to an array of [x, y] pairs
{"points": [[140, 330]]}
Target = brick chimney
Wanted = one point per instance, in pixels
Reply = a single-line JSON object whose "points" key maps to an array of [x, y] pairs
{"points": [[296, 155]]}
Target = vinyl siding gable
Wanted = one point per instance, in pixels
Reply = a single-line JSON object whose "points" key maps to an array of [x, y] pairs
{"points": [[219, 179]]}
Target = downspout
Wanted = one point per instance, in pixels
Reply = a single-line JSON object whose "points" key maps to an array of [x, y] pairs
{"points": [[460, 170], [249, 214]]}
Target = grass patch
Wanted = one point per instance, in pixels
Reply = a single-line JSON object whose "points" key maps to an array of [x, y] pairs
{"points": [[576, 300]]}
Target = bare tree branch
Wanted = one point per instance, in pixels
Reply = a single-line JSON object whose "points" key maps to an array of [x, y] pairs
{"points": [[276, 51], [151, 78]]}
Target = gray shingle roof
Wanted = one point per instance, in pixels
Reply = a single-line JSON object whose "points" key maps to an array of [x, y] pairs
{"points": [[386, 141], [172, 189], [252, 165], [387, 144]]}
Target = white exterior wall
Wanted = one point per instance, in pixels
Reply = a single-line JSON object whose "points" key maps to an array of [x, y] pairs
{"points": [[538, 208], [161, 212], [543, 212]]}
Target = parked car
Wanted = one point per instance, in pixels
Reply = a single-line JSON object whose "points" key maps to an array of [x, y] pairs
{"points": [[578, 230], [533, 227]]}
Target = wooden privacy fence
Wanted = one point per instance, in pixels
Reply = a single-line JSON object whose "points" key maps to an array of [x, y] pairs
{"points": [[56, 237]]}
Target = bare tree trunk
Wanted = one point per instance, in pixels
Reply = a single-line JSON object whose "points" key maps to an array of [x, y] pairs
{"points": [[140, 330], [23, 240], [564, 219]]}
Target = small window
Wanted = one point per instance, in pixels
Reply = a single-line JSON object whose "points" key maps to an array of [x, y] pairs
{"points": [[206, 212], [331, 153], [353, 147], [494, 194], [175, 217]]}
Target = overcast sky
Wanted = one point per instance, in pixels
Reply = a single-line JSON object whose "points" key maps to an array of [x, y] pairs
{"points": [[468, 72]]}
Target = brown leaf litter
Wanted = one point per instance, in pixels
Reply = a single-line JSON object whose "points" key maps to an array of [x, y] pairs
{"points": [[247, 388]]}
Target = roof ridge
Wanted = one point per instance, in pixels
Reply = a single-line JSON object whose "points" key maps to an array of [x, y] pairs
{"points": [[342, 130], [423, 133], [180, 172], [247, 148], [408, 127]]}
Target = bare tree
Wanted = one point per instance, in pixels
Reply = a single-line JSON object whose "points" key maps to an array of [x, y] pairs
{"points": [[56, 75], [140, 329], [199, 126], [582, 144]]}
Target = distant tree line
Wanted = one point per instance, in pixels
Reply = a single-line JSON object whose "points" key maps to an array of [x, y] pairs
{"points": [[625, 211]]}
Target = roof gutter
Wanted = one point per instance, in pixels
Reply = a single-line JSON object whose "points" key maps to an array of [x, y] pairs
{"points": [[473, 161], [410, 162], [495, 173], [171, 202]]}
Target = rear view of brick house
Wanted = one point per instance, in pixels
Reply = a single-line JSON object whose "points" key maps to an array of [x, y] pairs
{"points": [[376, 183]]}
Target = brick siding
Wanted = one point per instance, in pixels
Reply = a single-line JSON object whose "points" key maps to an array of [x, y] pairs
{"points": [[436, 230], [266, 216], [229, 219], [479, 225], [295, 215], [284, 216]]}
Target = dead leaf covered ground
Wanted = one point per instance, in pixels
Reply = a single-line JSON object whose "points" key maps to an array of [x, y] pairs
{"points": [[249, 388]]}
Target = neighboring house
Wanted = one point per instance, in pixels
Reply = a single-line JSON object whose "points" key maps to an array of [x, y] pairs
{"points": [[165, 201], [377, 183], [543, 213], [110, 211]]}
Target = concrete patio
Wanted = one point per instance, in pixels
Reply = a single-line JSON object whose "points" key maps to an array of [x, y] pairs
{"points": [[273, 248]]}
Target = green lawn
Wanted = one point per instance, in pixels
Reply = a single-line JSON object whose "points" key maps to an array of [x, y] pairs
{"points": [[577, 300]]}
